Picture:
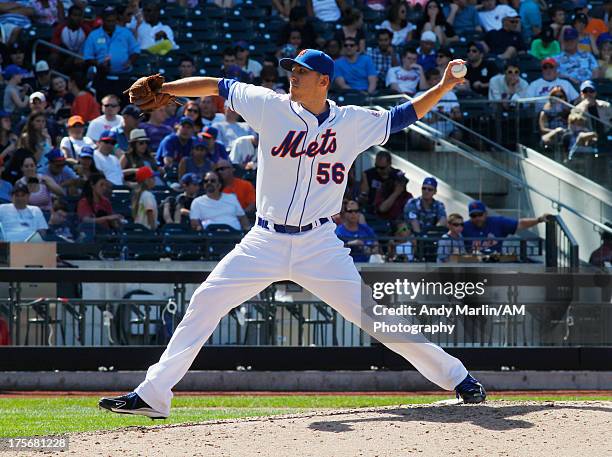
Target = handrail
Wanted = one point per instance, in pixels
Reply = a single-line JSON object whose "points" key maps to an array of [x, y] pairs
{"points": [[431, 133], [57, 48]]}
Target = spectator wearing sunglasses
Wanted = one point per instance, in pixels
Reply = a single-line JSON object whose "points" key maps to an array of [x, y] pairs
{"points": [[138, 155], [508, 85], [599, 109], [355, 71], [479, 70], [401, 247], [425, 212], [452, 242], [243, 189], [105, 159], [482, 227], [506, 42], [375, 178], [360, 238], [109, 119]]}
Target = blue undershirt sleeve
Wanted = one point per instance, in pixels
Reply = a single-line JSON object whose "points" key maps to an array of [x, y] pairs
{"points": [[402, 116], [224, 86]]}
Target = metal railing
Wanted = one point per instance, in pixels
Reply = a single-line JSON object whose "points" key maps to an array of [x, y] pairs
{"points": [[561, 247], [55, 47]]}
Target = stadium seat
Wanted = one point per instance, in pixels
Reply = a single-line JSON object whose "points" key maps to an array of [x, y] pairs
{"points": [[221, 240]]}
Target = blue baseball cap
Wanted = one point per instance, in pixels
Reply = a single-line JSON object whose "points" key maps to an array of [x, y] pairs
{"points": [[190, 178], [588, 84], [12, 70], [108, 135], [186, 120], [86, 151], [199, 142], [55, 155], [210, 132], [430, 181], [570, 34], [313, 60], [476, 206], [604, 37]]}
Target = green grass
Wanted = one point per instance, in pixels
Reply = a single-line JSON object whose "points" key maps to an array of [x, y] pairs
{"points": [[31, 416]]}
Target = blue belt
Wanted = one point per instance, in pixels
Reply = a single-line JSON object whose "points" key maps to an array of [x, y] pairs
{"points": [[290, 228]]}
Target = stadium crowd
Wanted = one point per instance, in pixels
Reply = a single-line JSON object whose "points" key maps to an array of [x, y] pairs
{"points": [[68, 136]]}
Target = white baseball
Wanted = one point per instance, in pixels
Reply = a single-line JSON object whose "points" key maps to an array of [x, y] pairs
{"points": [[459, 71]]}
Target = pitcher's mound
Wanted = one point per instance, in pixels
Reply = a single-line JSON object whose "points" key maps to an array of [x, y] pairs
{"points": [[496, 428]]}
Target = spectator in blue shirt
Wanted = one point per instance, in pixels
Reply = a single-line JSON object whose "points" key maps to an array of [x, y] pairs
{"points": [[5, 186], [531, 19], [427, 51], [484, 227], [57, 170], [111, 48], [360, 238], [216, 149], [176, 145], [425, 212], [575, 65], [355, 71], [452, 242], [463, 17]]}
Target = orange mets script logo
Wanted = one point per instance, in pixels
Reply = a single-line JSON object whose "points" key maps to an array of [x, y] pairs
{"points": [[302, 52]]}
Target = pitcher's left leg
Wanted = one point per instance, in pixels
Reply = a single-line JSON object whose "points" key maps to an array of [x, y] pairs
{"points": [[323, 266]]}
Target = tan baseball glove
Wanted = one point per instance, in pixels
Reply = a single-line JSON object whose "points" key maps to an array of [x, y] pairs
{"points": [[146, 93]]}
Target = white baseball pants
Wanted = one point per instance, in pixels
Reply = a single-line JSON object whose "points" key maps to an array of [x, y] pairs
{"points": [[318, 261]]}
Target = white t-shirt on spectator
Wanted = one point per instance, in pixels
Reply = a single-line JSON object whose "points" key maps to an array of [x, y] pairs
{"points": [[147, 202], [110, 166], [492, 20], [147, 32], [19, 224], [219, 117], [74, 146], [407, 80], [253, 68], [541, 88], [208, 211], [399, 36], [230, 132], [326, 10], [100, 124], [244, 151]]}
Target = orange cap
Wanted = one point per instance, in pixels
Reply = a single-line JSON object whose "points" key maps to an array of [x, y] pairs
{"points": [[74, 120]]}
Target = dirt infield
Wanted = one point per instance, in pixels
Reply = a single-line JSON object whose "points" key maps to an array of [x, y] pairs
{"points": [[498, 428]]}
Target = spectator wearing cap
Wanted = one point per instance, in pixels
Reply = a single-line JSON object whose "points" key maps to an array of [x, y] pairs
{"points": [[15, 16], [434, 20], [443, 57], [463, 16], [156, 128], [586, 41], [358, 237], [57, 170], [352, 27], [38, 105], [541, 87], [243, 189], [545, 46], [355, 71], [15, 93], [506, 42], [131, 119], [144, 204], [426, 52], [112, 49], [151, 33], [574, 64], [43, 77], [106, 161], [409, 77], [208, 112], [176, 145], [491, 14], [87, 165], [72, 144], [108, 120], [41, 186], [216, 207], [216, 149], [199, 162], [138, 155], [8, 140], [452, 242], [383, 55], [481, 227], [509, 85], [244, 152], [425, 212], [479, 70], [5, 186], [604, 45], [19, 220], [248, 65], [94, 207], [531, 19], [176, 210], [84, 104], [598, 109], [230, 129]]}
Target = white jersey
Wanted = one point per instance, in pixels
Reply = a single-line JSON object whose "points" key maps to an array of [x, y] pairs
{"points": [[302, 167]]}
